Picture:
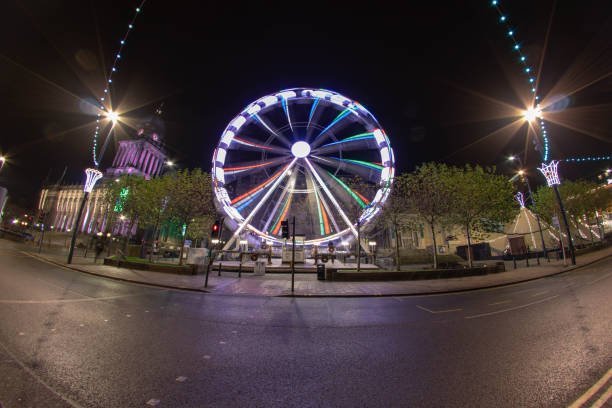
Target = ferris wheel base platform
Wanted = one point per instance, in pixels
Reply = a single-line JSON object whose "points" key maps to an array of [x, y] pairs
{"points": [[277, 267]]}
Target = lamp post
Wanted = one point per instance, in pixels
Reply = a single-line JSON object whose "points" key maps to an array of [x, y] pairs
{"points": [[93, 175], [552, 178], [535, 209]]}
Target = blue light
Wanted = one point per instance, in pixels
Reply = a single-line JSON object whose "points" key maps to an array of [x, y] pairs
{"points": [[510, 33], [532, 89], [122, 42], [494, 3], [527, 69], [516, 46], [523, 58], [502, 18], [118, 55], [130, 26], [531, 79], [114, 69]]}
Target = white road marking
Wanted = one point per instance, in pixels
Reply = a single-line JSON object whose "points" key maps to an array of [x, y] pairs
{"points": [[21, 333], [206, 357], [510, 309], [88, 299], [603, 399], [540, 293], [128, 315], [153, 402], [221, 342], [181, 379], [499, 303], [234, 331], [598, 279], [592, 391], [438, 311], [81, 325]]}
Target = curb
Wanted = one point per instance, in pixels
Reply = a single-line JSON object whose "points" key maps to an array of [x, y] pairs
{"points": [[446, 292], [158, 285], [320, 295]]}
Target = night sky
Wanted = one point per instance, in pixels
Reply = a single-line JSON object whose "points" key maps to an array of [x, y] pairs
{"points": [[431, 74]]}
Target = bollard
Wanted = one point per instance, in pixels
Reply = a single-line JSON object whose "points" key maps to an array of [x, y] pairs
{"points": [[538, 259], [240, 267], [527, 260], [219, 273], [514, 261]]}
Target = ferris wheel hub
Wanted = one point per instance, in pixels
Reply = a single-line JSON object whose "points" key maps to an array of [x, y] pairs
{"points": [[300, 149]]}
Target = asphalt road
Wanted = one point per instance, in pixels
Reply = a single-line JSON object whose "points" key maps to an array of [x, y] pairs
{"points": [[72, 340]]}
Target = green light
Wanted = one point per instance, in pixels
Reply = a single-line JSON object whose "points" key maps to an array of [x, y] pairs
{"points": [[121, 201], [365, 163], [350, 191]]}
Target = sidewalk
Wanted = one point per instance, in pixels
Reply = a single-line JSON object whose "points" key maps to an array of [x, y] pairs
{"points": [[307, 284]]}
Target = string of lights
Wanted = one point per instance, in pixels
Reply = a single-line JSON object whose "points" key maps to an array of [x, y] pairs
{"points": [[105, 107], [588, 158], [528, 70]]}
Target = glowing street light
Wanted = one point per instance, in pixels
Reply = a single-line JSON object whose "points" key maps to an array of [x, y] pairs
{"points": [[112, 116], [532, 114]]}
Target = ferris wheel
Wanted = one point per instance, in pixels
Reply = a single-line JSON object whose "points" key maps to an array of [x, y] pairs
{"points": [[290, 154]]}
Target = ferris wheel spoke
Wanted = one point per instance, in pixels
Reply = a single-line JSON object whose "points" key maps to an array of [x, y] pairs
{"points": [[319, 139], [249, 143], [235, 171], [275, 208], [322, 209], [279, 136], [286, 109], [370, 171], [331, 198], [361, 141], [261, 202]]}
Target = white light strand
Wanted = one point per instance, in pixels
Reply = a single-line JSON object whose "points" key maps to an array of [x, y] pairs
{"points": [[105, 103], [528, 70], [520, 199]]}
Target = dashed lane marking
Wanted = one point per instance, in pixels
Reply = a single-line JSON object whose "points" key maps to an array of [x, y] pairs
{"points": [[438, 311], [510, 309], [206, 357], [598, 279], [539, 293], [181, 379], [593, 390], [152, 402], [500, 302]]}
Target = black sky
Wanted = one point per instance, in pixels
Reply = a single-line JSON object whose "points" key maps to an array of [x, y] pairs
{"points": [[409, 64]]}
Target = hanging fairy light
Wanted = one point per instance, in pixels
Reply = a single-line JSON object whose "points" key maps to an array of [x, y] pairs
{"points": [[531, 76], [105, 107]]}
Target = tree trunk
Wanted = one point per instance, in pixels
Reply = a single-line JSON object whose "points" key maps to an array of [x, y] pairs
{"points": [[183, 245], [397, 252], [358, 247], [128, 236], [435, 252], [469, 246]]}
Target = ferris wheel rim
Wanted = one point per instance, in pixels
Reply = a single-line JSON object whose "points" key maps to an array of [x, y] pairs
{"points": [[282, 98]]}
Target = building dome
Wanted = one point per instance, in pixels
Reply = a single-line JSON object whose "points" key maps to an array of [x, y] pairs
{"points": [[153, 127]]}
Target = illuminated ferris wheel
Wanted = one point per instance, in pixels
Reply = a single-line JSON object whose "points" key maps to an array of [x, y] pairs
{"points": [[289, 154]]}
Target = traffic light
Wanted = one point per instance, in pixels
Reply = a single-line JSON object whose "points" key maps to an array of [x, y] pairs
{"points": [[215, 229], [285, 229]]}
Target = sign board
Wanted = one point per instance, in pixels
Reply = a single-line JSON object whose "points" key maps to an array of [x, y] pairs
{"points": [[555, 221], [299, 249]]}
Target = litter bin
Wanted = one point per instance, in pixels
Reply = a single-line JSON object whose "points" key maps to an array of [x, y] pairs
{"points": [[320, 271], [260, 268]]}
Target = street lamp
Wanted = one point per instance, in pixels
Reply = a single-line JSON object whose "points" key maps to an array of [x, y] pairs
{"points": [[535, 209], [552, 178], [2, 161], [532, 114], [92, 176]]}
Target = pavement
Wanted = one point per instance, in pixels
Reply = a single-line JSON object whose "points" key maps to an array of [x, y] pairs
{"points": [[307, 285]]}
